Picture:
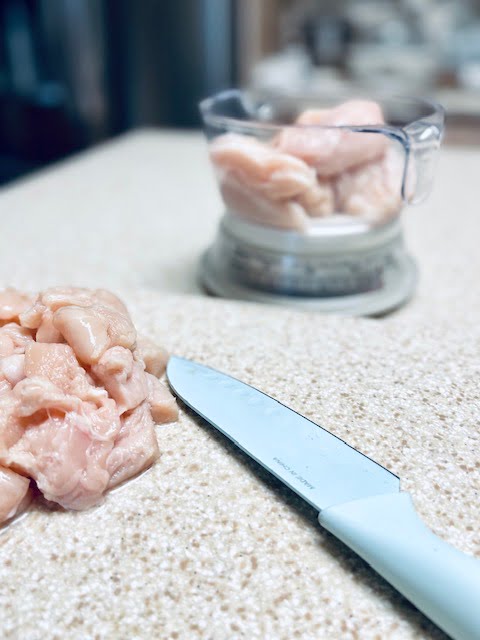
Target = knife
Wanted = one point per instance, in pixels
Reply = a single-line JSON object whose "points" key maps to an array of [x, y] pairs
{"points": [[358, 500]]}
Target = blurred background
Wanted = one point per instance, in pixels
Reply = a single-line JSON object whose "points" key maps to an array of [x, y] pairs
{"points": [[75, 72]]}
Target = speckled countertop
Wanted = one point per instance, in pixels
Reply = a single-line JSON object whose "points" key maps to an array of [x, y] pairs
{"points": [[206, 544]]}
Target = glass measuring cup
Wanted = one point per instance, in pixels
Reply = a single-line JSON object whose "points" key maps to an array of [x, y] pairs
{"points": [[313, 193], [324, 165]]}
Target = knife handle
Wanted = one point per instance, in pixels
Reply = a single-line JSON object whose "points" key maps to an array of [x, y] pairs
{"points": [[441, 581]]}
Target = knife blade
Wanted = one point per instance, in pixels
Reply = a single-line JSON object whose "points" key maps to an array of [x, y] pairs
{"points": [[358, 500]]}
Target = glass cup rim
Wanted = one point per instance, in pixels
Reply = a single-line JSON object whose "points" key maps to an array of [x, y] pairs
{"points": [[435, 115]]}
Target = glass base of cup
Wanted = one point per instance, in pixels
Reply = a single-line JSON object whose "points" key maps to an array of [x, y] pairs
{"points": [[344, 267]]}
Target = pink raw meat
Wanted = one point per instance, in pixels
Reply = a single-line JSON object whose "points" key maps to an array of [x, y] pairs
{"points": [[162, 404], [319, 200], [13, 339], [14, 492], [154, 357], [90, 321], [332, 150], [12, 368], [77, 418], [275, 175], [135, 448], [123, 378], [66, 454], [263, 185], [11, 425], [13, 303], [372, 190], [256, 207]]}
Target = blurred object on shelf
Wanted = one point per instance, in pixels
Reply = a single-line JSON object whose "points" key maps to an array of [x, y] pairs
{"points": [[326, 39], [404, 68], [292, 63]]}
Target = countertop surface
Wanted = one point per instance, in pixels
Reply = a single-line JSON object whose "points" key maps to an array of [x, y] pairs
{"points": [[206, 544]]}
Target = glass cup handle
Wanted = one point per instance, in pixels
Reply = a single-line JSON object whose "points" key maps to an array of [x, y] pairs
{"points": [[422, 143]]}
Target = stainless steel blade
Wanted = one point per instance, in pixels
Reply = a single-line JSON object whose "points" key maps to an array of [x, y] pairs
{"points": [[317, 465]]}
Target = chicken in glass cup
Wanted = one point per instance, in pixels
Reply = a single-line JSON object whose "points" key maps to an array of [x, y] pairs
{"points": [[313, 193]]}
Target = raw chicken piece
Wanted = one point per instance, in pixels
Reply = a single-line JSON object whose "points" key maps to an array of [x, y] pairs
{"points": [[37, 394], [56, 363], [84, 330], [74, 417], [90, 331], [318, 201], [90, 321], [255, 207], [5, 387], [12, 368], [372, 190], [14, 494], [11, 427], [123, 378], [6, 345], [276, 175], [351, 112], [108, 299], [332, 150], [47, 332], [135, 448], [66, 454], [13, 303], [162, 404], [13, 339], [154, 357]]}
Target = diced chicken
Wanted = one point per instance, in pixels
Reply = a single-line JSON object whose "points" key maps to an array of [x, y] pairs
{"points": [[57, 363], [123, 378], [263, 185], [57, 297], [319, 200], [351, 112], [255, 207], [75, 417], [90, 321], [40, 317], [5, 387], [373, 189], [333, 150], [154, 357], [136, 447], [90, 331], [6, 345], [162, 404], [12, 304], [13, 339], [14, 494], [274, 174], [108, 299], [47, 332], [37, 394], [66, 455], [11, 426], [84, 330], [12, 368]]}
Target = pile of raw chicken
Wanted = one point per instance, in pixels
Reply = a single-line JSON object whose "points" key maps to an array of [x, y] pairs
{"points": [[310, 171], [79, 396]]}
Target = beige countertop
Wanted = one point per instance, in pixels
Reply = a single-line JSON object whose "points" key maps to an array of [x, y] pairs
{"points": [[205, 544]]}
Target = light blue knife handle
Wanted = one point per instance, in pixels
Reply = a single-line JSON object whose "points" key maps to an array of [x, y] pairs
{"points": [[437, 578]]}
